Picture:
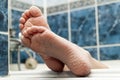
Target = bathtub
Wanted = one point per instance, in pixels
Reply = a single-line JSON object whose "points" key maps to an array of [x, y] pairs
{"points": [[43, 72]]}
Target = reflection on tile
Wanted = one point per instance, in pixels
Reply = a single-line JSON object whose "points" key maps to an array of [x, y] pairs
{"points": [[15, 21], [3, 54], [104, 1], [59, 24], [3, 15], [20, 5], [109, 23], [93, 52], [81, 3], [110, 53], [83, 27], [58, 8]]}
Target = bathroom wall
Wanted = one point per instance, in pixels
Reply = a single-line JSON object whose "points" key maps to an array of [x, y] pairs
{"points": [[91, 24], [3, 37]]}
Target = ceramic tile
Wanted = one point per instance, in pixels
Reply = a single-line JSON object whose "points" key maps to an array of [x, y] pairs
{"points": [[83, 27], [93, 52], [24, 5], [15, 22], [105, 1], [110, 53], [54, 6], [3, 54], [59, 24], [81, 3], [58, 8], [3, 15], [109, 23]]}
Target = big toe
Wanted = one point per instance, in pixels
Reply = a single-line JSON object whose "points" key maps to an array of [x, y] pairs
{"points": [[35, 11]]}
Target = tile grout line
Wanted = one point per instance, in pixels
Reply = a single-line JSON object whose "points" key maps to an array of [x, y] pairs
{"points": [[97, 30], [101, 46], [4, 33], [45, 10], [69, 22], [9, 24]]}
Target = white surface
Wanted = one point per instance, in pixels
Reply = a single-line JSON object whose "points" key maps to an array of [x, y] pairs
{"points": [[43, 71], [95, 73], [60, 79], [113, 64], [45, 74]]}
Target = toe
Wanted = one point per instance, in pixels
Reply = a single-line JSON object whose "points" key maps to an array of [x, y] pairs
{"points": [[25, 33], [32, 31], [21, 26], [35, 29], [84, 70], [35, 11], [22, 20], [27, 14]]}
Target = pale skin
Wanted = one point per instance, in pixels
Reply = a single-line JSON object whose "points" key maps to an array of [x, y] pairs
{"points": [[55, 50]]}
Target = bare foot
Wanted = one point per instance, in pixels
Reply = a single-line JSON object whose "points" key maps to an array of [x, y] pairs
{"points": [[31, 17], [45, 41]]}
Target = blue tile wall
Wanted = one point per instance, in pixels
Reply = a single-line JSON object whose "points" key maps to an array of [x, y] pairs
{"points": [[83, 27], [3, 15], [93, 52], [110, 53], [15, 21], [14, 57], [3, 54], [109, 23], [59, 24], [3, 37]]}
